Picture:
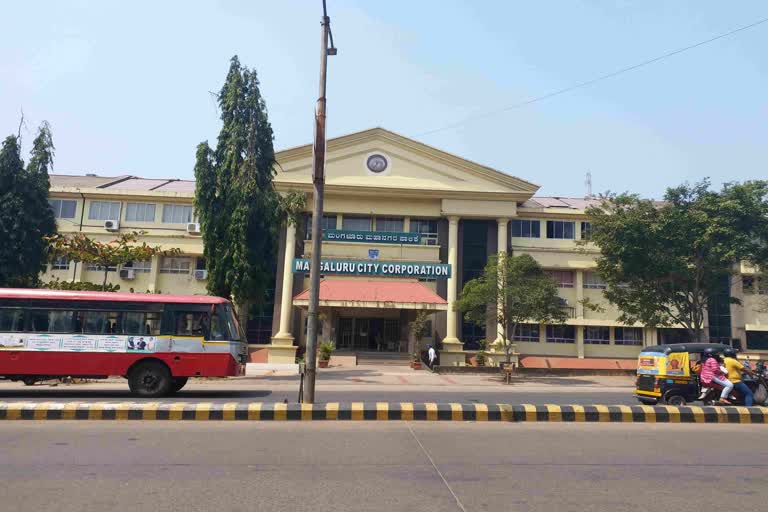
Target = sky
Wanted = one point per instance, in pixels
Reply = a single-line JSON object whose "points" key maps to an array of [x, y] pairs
{"points": [[127, 86]]}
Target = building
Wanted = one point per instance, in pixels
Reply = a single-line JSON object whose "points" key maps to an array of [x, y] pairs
{"points": [[405, 226]]}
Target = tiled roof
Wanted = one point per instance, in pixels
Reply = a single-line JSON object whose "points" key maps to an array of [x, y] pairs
{"points": [[126, 182], [573, 203], [375, 291]]}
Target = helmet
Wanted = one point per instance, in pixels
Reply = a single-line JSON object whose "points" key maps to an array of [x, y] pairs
{"points": [[709, 352], [729, 352]]}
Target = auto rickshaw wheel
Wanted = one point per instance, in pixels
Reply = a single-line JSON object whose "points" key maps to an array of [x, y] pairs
{"points": [[675, 400]]}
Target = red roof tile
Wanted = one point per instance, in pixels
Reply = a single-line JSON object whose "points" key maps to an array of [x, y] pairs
{"points": [[375, 291]]}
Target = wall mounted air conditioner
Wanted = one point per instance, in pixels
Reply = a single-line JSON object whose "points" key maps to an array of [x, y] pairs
{"points": [[112, 225], [201, 275], [128, 274], [193, 228]]}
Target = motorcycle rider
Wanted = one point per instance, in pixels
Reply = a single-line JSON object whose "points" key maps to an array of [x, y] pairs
{"points": [[734, 369]]}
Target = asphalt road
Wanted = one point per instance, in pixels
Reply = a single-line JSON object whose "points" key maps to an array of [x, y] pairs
{"points": [[145, 466], [340, 393]]}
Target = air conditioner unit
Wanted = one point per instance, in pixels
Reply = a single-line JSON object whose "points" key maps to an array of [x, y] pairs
{"points": [[128, 274], [201, 275], [193, 228], [112, 225]]}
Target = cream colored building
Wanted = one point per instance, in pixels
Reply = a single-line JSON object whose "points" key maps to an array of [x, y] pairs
{"points": [[405, 226]]}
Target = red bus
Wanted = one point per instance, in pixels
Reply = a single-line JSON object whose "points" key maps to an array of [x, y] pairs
{"points": [[155, 341]]}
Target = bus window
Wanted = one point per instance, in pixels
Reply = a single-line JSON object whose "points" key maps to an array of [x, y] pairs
{"points": [[218, 327], [191, 323], [51, 321], [140, 323], [234, 327], [11, 320], [97, 322]]}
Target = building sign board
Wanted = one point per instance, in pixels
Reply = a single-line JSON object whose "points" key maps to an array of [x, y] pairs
{"points": [[380, 237], [376, 268]]}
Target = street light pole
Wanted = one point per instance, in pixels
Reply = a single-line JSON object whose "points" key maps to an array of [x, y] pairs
{"points": [[318, 181]]}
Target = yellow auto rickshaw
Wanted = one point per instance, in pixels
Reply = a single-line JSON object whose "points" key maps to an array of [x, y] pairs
{"points": [[667, 374]]}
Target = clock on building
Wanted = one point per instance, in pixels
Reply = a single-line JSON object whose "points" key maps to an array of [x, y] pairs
{"points": [[377, 163]]}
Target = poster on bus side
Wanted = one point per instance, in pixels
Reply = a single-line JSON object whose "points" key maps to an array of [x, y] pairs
{"points": [[11, 341], [44, 342]]}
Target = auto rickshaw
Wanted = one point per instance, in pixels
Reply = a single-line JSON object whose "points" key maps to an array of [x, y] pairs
{"points": [[664, 372]]}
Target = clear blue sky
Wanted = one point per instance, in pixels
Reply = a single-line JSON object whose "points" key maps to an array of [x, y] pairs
{"points": [[126, 85]]}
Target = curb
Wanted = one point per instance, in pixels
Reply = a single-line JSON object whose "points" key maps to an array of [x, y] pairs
{"points": [[379, 411]]}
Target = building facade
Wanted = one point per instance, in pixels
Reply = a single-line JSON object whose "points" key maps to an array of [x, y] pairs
{"points": [[405, 226]]}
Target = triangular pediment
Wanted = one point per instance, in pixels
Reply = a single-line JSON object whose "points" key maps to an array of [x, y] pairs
{"points": [[409, 165]]}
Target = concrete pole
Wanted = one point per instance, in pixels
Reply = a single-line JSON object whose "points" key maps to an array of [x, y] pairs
{"points": [[318, 181]]}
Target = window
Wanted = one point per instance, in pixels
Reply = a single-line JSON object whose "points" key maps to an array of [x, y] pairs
{"points": [[94, 267], [177, 213], [527, 332], [562, 278], [140, 212], [140, 266], [427, 228], [11, 320], [51, 321], [140, 323], [96, 322], [351, 223], [104, 210], [628, 336], [561, 229], [176, 265], [60, 263], [389, 224], [592, 280], [192, 323], [523, 228], [586, 230], [561, 334], [597, 335], [63, 208], [757, 340], [329, 222]]}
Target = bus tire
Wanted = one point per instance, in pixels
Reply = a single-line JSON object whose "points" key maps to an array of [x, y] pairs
{"points": [[150, 379], [29, 380], [178, 383]]}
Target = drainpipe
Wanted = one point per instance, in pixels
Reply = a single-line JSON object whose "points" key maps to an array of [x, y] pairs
{"points": [[82, 213]]}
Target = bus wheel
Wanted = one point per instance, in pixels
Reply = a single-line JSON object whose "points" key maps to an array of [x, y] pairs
{"points": [[29, 381], [150, 379], [178, 383]]}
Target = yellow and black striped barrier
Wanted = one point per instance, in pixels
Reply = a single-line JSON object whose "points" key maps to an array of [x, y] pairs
{"points": [[378, 411]]}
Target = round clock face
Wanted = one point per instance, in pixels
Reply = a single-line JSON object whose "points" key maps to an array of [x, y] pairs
{"points": [[377, 163]]}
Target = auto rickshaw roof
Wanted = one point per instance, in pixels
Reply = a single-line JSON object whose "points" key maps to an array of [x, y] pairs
{"points": [[696, 348]]}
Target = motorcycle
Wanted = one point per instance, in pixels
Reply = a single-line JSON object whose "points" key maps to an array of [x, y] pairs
{"points": [[758, 383]]}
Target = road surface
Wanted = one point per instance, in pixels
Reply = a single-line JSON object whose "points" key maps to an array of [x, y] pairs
{"points": [[398, 466]]}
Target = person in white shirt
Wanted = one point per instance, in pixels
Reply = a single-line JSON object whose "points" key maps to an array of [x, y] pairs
{"points": [[432, 356]]}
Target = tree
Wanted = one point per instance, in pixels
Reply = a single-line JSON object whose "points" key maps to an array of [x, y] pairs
{"points": [[25, 215], [419, 328], [663, 261], [235, 200], [518, 290], [125, 248]]}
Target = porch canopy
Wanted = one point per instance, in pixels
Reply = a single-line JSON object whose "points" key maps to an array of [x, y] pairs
{"points": [[374, 294]]}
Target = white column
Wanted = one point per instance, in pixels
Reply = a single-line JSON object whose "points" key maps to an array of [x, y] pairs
{"points": [[286, 297], [502, 250], [282, 350], [453, 281]]}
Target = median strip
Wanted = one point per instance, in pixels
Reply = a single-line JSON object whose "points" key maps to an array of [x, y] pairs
{"points": [[379, 411]]}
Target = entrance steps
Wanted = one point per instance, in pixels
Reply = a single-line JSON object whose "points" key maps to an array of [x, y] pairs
{"points": [[383, 359]]}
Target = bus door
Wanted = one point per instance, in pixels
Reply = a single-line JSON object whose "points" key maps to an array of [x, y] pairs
{"points": [[187, 326]]}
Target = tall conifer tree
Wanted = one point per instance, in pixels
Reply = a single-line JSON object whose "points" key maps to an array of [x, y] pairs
{"points": [[25, 215], [235, 200]]}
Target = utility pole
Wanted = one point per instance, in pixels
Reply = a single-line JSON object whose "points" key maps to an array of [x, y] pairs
{"points": [[318, 181]]}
